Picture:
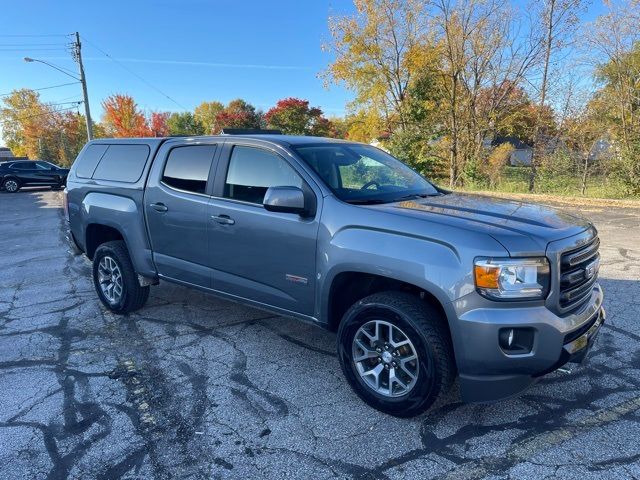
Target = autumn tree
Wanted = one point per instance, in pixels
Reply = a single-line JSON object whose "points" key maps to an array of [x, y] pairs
{"points": [[72, 135], [158, 124], [206, 113], [24, 120], [238, 114], [378, 50], [294, 116], [39, 130], [123, 118]]}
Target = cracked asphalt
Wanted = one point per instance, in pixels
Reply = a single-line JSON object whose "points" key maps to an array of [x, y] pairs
{"points": [[196, 387]]}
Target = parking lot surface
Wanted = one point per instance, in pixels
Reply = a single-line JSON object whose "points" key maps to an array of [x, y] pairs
{"points": [[196, 387]]}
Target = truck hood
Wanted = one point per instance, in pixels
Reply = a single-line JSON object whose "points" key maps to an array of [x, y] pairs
{"points": [[522, 228]]}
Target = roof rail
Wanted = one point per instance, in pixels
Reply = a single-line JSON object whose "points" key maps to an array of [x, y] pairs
{"points": [[250, 131]]}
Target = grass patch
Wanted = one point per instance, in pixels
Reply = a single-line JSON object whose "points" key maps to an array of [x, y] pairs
{"points": [[516, 180]]}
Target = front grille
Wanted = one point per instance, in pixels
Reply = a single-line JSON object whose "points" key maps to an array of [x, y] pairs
{"points": [[578, 274]]}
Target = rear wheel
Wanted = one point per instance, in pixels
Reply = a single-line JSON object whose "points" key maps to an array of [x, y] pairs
{"points": [[11, 185], [396, 353], [115, 280]]}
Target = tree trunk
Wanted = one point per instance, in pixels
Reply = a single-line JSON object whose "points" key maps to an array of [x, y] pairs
{"points": [[585, 175], [543, 93]]}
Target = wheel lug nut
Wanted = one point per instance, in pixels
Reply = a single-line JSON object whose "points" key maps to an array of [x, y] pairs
{"points": [[386, 366], [379, 350]]}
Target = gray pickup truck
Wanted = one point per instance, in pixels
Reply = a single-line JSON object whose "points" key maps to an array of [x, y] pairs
{"points": [[421, 285]]}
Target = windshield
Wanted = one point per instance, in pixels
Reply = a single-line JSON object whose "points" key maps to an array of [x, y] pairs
{"points": [[364, 174]]}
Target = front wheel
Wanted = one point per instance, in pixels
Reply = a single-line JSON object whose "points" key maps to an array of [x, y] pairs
{"points": [[396, 353], [115, 280]]}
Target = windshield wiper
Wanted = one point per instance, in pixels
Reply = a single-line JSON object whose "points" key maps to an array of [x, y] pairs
{"points": [[415, 195], [367, 201]]}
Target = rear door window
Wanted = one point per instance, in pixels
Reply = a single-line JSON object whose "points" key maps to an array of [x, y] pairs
{"points": [[122, 163], [187, 168], [86, 164], [24, 166]]}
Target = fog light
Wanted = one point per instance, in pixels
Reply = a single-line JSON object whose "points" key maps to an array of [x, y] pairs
{"points": [[516, 341]]}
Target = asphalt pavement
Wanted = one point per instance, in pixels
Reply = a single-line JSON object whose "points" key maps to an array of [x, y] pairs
{"points": [[196, 387]]}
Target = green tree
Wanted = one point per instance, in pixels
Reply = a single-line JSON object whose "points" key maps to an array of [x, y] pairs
{"points": [[184, 123]]}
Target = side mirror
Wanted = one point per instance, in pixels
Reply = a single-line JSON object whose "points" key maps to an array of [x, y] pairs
{"points": [[286, 200]]}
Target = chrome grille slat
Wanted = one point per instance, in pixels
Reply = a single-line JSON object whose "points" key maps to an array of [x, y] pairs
{"points": [[579, 291], [582, 255], [575, 286]]}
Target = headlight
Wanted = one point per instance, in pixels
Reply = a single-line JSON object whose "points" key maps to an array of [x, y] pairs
{"points": [[512, 278]]}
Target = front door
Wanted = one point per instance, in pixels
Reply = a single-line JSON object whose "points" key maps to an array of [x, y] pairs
{"points": [[256, 254], [45, 174], [176, 201]]}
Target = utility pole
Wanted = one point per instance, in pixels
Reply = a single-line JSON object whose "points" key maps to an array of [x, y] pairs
{"points": [[77, 55]]}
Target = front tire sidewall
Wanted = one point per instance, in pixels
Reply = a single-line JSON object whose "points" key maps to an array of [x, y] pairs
{"points": [[422, 395]]}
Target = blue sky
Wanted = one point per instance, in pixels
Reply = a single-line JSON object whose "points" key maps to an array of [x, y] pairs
{"points": [[191, 50]]}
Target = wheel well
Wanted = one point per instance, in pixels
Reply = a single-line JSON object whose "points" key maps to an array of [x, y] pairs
{"points": [[349, 287], [98, 234]]}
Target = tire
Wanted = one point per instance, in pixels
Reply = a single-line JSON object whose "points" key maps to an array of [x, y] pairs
{"points": [[11, 185], [115, 257], [429, 340]]}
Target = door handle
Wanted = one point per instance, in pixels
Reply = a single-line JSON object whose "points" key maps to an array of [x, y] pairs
{"points": [[223, 219], [159, 207]]}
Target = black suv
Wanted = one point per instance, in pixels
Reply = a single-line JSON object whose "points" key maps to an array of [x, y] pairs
{"points": [[15, 174]]}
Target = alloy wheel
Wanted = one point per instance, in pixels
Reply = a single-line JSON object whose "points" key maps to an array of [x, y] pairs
{"points": [[11, 186], [110, 280], [385, 358]]}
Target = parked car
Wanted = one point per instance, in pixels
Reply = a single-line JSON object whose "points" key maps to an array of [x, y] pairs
{"points": [[421, 284], [31, 173]]}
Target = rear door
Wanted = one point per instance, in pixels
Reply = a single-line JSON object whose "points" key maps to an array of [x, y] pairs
{"points": [[26, 172], [176, 199], [263, 256]]}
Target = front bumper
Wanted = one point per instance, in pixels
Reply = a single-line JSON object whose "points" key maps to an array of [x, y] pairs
{"points": [[488, 374]]}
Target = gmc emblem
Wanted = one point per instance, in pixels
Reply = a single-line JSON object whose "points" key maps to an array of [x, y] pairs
{"points": [[592, 269]]}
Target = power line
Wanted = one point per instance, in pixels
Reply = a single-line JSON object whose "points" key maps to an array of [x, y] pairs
{"points": [[31, 44], [75, 102], [39, 35], [48, 113], [37, 49], [43, 88], [134, 74]]}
